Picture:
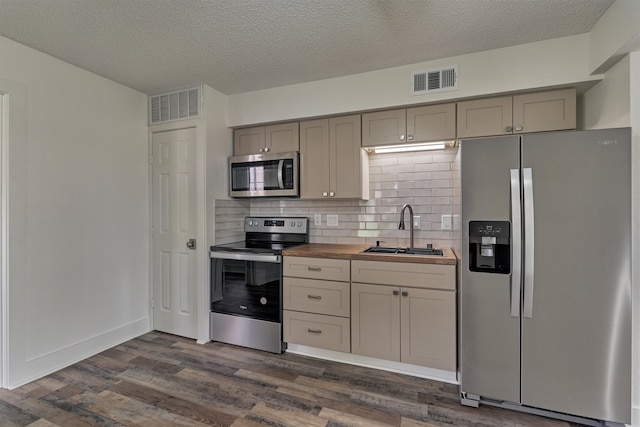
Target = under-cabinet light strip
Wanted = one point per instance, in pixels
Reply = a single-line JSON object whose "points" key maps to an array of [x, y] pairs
{"points": [[414, 147]]}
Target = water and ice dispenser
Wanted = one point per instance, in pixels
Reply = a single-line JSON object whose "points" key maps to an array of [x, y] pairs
{"points": [[489, 249]]}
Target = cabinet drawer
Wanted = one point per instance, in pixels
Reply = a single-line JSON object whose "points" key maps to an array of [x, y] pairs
{"points": [[317, 296], [316, 268], [316, 330], [430, 276]]}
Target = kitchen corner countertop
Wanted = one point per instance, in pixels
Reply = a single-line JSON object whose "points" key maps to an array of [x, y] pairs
{"points": [[344, 251]]}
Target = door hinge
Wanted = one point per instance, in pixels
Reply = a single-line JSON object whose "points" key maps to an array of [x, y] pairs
{"points": [[153, 303]]}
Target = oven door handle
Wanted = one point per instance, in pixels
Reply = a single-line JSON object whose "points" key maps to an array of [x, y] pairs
{"points": [[245, 257]]}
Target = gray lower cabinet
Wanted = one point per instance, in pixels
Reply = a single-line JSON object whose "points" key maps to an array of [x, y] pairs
{"points": [[405, 313], [316, 302]]}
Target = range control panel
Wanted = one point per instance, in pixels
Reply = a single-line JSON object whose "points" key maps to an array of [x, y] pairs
{"points": [[276, 225]]}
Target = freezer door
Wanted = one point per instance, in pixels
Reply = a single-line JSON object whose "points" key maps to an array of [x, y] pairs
{"points": [[489, 345], [576, 347]]}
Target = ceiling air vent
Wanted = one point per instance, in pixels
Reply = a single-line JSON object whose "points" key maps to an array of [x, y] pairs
{"points": [[168, 107], [436, 80]]}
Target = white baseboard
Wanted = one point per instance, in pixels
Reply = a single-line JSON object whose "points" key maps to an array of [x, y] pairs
{"points": [[371, 362], [24, 371]]}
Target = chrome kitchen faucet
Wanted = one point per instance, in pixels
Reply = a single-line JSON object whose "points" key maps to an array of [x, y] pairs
{"points": [[401, 225]]}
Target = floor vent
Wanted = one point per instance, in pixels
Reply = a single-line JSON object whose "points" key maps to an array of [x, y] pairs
{"points": [[168, 107], [436, 80]]}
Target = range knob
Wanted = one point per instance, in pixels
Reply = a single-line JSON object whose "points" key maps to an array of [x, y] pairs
{"points": [[299, 223], [293, 223]]}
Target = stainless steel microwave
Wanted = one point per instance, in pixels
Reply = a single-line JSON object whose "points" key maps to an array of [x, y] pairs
{"points": [[265, 175]]}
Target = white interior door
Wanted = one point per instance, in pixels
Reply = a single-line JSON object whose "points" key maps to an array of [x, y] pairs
{"points": [[173, 228]]}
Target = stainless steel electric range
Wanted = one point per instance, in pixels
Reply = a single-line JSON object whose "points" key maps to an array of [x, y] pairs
{"points": [[246, 283]]}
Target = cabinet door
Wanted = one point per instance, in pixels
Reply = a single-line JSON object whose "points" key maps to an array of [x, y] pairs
{"points": [[349, 175], [485, 117], [431, 123], [544, 111], [314, 158], [428, 332], [384, 128], [282, 137], [248, 141], [375, 321]]}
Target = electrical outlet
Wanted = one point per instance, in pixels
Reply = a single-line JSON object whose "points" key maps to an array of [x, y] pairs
{"points": [[317, 220], [416, 221], [446, 222], [332, 220]]}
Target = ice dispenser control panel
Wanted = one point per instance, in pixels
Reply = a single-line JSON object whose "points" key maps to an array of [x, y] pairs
{"points": [[489, 247]]}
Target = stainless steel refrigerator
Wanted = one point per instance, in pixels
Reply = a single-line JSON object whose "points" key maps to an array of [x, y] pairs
{"points": [[545, 274]]}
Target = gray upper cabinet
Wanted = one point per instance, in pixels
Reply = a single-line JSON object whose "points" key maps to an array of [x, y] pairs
{"points": [[332, 163], [405, 126], [533, 112], [278, 138]]}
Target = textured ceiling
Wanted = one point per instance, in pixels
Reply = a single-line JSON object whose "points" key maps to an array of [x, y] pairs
{"points": [[237, 46]]}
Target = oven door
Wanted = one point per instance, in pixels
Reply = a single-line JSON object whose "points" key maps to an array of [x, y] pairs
{"points": [[247, 285]]}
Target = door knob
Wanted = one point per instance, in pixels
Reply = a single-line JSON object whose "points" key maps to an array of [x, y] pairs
{"points": [[191, 244]]}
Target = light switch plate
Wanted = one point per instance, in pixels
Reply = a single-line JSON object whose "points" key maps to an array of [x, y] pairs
{"points": [[317, 219], [332, 220], [416, 221]]}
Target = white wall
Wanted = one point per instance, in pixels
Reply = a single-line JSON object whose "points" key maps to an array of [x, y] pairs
{"points": [[635, 249], [562, 61], [218, 149], [615, 102], [606, 105], [78, 213]]}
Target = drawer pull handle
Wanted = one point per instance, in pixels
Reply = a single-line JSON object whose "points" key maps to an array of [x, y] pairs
{"points": [[395, 293], [314, 268], [314, 331], [405, 294], [314, 296]]}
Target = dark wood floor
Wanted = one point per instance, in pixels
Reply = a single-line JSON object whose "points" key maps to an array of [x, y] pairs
{"points": [[163, 380]]}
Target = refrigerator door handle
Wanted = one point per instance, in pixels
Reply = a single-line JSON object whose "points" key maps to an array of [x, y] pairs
{"points": [[527, 184], [516, 225]]}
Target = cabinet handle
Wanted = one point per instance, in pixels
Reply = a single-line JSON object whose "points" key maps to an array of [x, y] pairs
{"points": [[509, 129], [318, 297], [405, 293], [311, 268], [331, 194], [401, 137], [262, 150], [267, 149], [519, 128], [325, 194], [395, 293], [410, 138], [314, 331]]}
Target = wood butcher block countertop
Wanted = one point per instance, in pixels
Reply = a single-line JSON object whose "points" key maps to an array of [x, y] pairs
{"points": [[338, 251]]}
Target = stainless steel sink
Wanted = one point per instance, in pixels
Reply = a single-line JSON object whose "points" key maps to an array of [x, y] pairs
{"points": [[403, 251]]}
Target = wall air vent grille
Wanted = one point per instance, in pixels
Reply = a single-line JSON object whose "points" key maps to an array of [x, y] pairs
{"points": [[436, 80], [168, 107]]}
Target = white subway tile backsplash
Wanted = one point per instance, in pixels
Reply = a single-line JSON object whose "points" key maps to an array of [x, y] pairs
{"points": [[425, 180]]}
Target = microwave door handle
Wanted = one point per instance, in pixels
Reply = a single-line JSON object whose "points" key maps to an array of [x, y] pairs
{"points": [[280, 172]]}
